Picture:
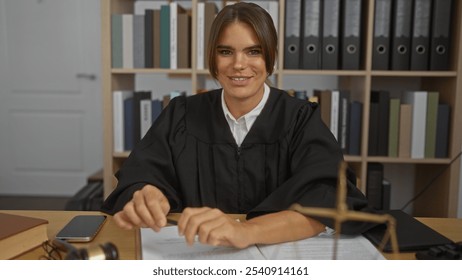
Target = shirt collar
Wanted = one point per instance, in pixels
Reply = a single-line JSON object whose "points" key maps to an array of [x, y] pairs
{"points": [[251, 116]]}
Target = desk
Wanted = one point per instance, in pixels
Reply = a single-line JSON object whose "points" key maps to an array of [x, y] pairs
{"points": [[128, 241]]}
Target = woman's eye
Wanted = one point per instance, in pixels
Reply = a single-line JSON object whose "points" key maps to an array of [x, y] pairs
{"points": [[255, 52], [224, 52]]}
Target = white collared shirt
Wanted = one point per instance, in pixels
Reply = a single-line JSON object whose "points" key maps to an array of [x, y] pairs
{"points": [[240, 127]]}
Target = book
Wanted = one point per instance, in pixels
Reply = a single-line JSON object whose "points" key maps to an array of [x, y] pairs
{"points": [[420, 39], [343, 119], [175, 11], [330, 34], [382, 33], [334, 112], [381, 121], [129, 124], [156, 38], [206, 12], [141, 115], [127, 42], [116, 41], [156, 109], [351, 34], [148, 39], [405, 125], [139, 41], [19, 234], [354, 137], [118, 99], [401, 35], [372, 145], [393, 127], [165, 35], [311, 39], [430, 129], [440, 40], [442, 131], [325, 101], [418, 100], [292, 34], [184, 40]]}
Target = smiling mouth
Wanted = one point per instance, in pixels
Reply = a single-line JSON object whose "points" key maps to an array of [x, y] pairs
{"points": [[239, 79]]}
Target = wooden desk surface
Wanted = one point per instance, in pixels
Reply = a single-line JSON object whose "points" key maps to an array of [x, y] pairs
{"points": [[124, 240], [128, 241]]}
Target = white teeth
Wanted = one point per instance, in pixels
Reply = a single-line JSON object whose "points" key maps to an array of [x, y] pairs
{"points": [[239, 79]]}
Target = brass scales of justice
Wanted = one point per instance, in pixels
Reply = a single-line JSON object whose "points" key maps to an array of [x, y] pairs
{"points": [[341, 214]]}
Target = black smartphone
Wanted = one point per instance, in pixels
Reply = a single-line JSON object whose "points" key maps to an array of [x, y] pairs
{"points": [[82, 228]]}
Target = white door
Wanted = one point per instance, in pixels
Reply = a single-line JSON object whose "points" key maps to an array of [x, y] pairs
{"points": [[50, 98]]}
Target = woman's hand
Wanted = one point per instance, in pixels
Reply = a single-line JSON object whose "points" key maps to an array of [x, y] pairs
{"points": [[213, 227], [148, 208]]}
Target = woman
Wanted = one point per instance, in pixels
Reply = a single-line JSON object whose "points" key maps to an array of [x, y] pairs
{"points": [[245, 148]]}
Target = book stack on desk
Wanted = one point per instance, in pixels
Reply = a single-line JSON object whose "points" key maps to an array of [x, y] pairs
{"points": [[19, 234]]}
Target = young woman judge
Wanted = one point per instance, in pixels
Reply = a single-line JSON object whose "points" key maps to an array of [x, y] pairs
{"points": [[245, 148]]}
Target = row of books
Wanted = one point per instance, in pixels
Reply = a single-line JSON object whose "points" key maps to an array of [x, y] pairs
{"points": [[342, 116], [323, 34], [133, 114], [408, 34], [158, 34], [152, 38], [414, 125], [412, 35]]}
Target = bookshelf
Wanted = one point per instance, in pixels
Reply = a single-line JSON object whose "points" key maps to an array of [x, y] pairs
{"points": [[440, 200]]}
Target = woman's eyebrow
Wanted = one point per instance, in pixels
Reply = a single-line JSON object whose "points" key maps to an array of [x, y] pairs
{"points": [[231, 48]]}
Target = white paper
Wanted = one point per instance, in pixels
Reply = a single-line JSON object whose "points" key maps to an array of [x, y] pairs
{"points": [[168, 245], [321, 248]]}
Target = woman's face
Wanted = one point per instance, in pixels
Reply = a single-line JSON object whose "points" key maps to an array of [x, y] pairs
{"points": [[240, 64]]}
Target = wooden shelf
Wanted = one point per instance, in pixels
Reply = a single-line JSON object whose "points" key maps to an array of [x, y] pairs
{"points": [[440, 201]]}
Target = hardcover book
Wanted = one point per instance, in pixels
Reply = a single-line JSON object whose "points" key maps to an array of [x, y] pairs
{"points": [[19, 234]]}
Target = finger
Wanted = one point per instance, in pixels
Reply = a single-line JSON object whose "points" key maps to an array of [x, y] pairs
{"points": [[194, 218], [131, 214], [142, 211], [200, 222], [122, 221], [158, 207]]}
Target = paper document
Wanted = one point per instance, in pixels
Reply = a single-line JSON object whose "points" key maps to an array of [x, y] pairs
{"points": [[167, 244], [321, 248]]}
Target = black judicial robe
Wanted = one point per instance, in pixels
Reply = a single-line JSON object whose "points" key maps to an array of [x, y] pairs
{"points": [[288, 156]]}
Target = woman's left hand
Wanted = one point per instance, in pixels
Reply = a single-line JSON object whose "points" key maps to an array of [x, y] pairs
{"points": [[213, 227]]}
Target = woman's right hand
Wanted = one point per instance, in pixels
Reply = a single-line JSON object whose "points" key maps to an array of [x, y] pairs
{"points": [[147, 208]]}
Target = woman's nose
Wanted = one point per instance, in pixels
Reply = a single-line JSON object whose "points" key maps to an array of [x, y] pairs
{"points": [[239, 61]]}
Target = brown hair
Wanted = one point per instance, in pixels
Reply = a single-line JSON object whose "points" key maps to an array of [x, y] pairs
{"points": [[257, 18]]}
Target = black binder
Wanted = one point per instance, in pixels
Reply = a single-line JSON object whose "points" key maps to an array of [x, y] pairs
{"points": [[382, 31], [311, 40], [401, 35], [330, 38], [412, 235], [292, 34], [351, 34], [440, 35], [420, 44]]}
